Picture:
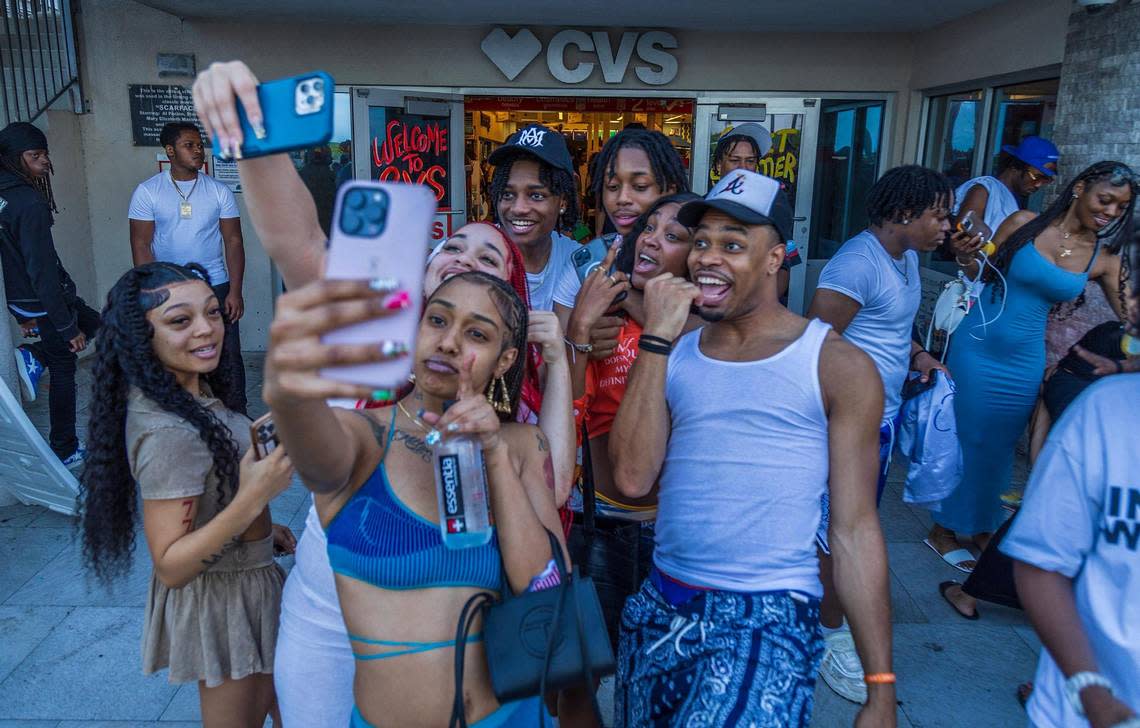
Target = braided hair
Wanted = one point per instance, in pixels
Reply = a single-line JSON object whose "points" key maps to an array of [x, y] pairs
{"points": [[907, 190], [1112, 237], [125, 358], [557, 180], [666, 165], [513, 311], [626, 257]]}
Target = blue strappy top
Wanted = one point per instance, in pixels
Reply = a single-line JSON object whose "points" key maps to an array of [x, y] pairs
{"points": [[377, 539]]}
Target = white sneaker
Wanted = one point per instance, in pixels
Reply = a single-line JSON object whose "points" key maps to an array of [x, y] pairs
{"points": [[841, 669]]}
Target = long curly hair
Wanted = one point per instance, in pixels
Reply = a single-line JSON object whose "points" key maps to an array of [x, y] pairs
{"points": [[514, 314], [1111, 238], [125, 358]]}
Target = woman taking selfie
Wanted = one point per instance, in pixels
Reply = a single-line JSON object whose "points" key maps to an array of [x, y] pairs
{"points": [[371, 474], [160, 417], [314, 663]]}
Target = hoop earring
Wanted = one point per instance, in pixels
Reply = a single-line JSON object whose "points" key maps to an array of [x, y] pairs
{"points": [[499, 396], [906, 221]]}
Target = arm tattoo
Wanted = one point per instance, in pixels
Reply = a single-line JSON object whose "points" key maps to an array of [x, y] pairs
{"points": [[226, 548], [378, 430], [187, 521], [543, 445], [413, 443]]}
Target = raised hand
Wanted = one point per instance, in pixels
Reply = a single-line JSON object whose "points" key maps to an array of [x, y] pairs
{"points": [[215, 92], [596, 297], [543, 329], [668, 300], [296, 354], [472, 414]]}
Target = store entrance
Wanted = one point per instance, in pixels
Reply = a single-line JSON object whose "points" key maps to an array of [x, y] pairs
{"points": [[585, 122]]}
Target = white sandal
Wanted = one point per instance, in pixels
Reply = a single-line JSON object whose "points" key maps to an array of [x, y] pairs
{"points": [[955, 558]]}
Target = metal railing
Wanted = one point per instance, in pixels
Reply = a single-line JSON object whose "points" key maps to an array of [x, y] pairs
{"points": [[37, 56]]}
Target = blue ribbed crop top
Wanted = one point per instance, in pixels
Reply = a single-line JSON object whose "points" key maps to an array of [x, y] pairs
{"points": [[377, 539]]}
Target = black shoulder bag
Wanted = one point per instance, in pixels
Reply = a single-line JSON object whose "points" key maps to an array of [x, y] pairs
{"points": [[537, 641]]}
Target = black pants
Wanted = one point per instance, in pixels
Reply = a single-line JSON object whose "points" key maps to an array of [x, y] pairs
{"points": [[231, 364], [53, 352]]}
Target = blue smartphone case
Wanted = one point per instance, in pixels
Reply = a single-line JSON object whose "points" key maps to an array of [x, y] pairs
{"points": [[298, 113]]}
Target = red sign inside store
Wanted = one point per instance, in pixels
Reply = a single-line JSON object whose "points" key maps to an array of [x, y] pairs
{"points": [[581, 104]]}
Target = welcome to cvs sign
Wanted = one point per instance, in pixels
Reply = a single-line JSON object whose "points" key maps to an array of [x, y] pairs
{"points": [[655, 64]]}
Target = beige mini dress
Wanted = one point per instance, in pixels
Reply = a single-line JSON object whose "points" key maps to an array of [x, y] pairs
{"points": [[223, 624]]}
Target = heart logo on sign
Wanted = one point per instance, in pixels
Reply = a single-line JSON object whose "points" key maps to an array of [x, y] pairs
{"points": [[511, 55]]}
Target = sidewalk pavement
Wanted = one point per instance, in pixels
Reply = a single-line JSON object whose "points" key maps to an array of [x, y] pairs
{"points": [[70, 656]]}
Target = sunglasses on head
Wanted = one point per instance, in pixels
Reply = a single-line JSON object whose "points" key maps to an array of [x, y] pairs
{"points": [[1121, 175]]}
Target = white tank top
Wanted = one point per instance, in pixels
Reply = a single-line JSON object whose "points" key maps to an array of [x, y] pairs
{"points": [[746, 466]]}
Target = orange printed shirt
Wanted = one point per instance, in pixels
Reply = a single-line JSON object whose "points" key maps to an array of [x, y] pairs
{"points": [[606, 382]]}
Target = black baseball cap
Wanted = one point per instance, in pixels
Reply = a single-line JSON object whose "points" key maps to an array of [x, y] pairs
{"points": [[538, 140], [747, 196]]}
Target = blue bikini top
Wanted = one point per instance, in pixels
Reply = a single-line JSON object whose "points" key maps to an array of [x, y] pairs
{"points": [[377, 539]]}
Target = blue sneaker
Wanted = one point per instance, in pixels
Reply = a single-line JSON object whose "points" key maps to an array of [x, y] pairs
{"points": [[30, 370], [76, 458]]}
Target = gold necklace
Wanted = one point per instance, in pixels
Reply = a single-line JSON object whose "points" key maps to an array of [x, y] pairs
{"points": [[432, 435]]}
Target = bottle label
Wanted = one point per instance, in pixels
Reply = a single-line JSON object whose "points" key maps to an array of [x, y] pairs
{"points": [[453, 516]]}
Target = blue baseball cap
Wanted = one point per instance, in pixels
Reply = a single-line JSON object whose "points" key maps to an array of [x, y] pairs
{"points": [[1036, 152]]}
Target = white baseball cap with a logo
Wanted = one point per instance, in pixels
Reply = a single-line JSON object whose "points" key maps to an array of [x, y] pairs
{"points": [[751, 198]]}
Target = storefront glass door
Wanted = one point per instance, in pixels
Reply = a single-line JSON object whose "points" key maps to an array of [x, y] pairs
{"points": [[413, 137], [793, 123]]}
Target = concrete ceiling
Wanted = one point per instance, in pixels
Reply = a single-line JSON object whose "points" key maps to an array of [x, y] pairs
{"points": [[747, 15]]}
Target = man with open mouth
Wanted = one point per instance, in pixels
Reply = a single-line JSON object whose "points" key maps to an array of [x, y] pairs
{"points": [[745, 423]]}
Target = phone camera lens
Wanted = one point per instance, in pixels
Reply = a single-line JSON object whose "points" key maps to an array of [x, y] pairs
{"points": [[318, 85], [305, 87], [357, 199]]}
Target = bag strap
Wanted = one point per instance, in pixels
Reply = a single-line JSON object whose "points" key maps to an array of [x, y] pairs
{"points": [[466, 617], [589, 497]]}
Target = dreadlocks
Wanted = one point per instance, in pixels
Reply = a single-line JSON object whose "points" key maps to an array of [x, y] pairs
{"points": [[666, 165], [558, 181], [14, 164], [728, 142], [907, 190]]}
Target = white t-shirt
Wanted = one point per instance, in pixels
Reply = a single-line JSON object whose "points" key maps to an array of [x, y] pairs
{"points": [[1081, 518], [1000, 204], [889, 292], [194, 239], [544, 284]]}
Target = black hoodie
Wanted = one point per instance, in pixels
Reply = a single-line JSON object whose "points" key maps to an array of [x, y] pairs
{"points": [[35, 282]]}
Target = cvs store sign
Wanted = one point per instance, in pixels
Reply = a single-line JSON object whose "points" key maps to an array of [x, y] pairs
{"points": [[654, 65]]}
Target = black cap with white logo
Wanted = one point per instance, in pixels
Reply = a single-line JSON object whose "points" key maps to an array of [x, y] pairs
{"points": [[751, 198], [543, 142]]}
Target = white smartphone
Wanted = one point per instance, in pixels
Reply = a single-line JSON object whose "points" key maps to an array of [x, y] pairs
{"points": [[381, 230]]}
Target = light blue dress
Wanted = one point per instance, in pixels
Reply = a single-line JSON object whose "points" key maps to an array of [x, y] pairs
{"points": [[998, 368]]}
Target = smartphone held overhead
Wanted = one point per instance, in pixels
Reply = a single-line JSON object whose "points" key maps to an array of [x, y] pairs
{"points": [[298, 114], [381, 232]]}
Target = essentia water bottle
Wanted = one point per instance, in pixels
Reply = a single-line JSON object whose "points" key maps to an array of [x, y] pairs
{"points": [[461, 488]]}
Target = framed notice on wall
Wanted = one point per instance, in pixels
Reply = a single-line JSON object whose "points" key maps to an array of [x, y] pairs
{"points": [[153, 106]]}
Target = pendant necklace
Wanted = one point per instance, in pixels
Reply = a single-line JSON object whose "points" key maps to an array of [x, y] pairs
{"points": [[184, 207], [432, 435]]}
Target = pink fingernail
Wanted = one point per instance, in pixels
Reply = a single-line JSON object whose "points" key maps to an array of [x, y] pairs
{"points": [[398, 301]]}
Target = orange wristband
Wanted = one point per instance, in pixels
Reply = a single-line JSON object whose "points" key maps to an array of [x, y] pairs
{"points": [[880, 678]]}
